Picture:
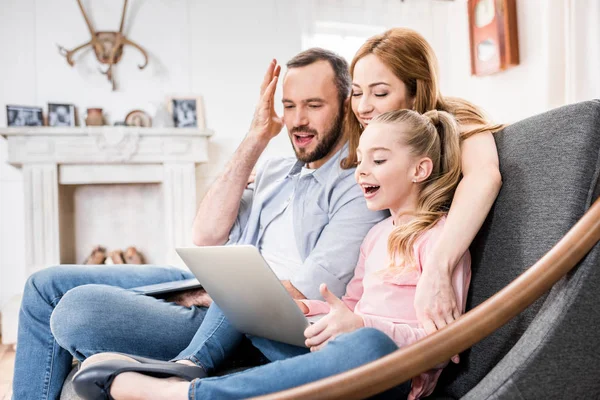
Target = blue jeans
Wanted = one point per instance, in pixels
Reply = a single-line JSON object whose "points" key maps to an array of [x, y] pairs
{"points": [[82, 310], [289, 366], [347, 351], [217, 339]]}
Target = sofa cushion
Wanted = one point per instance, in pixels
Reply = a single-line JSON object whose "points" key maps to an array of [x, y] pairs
{"points": [[550, 167]]}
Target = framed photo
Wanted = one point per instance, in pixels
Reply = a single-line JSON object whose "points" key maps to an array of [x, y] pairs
{"points": [[61, 114], [493, 36], [187, 112], [24, 116]]}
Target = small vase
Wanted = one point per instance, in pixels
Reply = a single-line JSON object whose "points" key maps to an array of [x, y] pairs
{"points": [[94, 117]]}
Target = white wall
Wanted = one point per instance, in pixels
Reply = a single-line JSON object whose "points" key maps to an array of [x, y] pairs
{"points": [[509, 96], [219, 49]]}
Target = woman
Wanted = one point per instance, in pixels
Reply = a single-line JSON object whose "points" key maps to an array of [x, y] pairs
{"points": [[398, 70]]}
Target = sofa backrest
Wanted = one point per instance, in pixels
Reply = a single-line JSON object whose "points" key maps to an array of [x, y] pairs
{"points": [[550, 165]]}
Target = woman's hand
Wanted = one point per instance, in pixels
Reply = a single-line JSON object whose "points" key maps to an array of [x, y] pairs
{"points": [[339, 320], [435, 300], [252, 177]]}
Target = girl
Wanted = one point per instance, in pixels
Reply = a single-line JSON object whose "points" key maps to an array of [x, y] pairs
{"points": [[398, 70], [407, 163]]}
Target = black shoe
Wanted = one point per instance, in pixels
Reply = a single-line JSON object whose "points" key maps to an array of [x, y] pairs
{"points": [[96, 374]]}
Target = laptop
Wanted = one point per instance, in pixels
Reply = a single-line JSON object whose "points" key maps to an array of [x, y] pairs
{"points": [[248, 292]]}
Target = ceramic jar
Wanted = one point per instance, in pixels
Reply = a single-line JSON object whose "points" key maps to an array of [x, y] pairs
{"points": [[94, 117]]}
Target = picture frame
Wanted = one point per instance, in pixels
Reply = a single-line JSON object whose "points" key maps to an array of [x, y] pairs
{"points": [[186, 111], [24, 116], [61, 115], [493, 35]]}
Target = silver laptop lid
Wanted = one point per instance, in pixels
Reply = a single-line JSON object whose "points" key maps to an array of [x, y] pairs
{"points": [[245, 288]]}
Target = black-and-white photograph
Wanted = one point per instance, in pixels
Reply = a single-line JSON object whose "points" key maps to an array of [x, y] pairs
{"points": [[61, 114], [24, 116], [185, 113]]}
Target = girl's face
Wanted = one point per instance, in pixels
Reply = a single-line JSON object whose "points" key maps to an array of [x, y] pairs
{"points": [[376, 90], [386, 170]]}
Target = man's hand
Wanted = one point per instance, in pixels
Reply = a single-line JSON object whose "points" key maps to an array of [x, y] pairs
{"points": [[339, 320], [435, 300], [220, 206], [190, 298], [295, 293], [302, 306], [266, 124]]}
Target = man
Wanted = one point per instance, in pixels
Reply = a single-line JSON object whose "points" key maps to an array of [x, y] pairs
{"points": [[306, 215]]}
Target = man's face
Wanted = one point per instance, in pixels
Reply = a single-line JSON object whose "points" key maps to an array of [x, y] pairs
{"points": [[312, 111]]}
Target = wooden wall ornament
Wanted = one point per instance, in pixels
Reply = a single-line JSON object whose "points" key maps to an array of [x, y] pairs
{"points": [[493, 36], [108, 46]]}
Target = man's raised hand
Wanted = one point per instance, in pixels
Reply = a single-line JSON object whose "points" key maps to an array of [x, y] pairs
{"points": [[266, 124]]}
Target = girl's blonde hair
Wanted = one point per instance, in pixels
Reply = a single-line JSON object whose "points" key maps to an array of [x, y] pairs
{"points": [[434, 135], [413, 61]]}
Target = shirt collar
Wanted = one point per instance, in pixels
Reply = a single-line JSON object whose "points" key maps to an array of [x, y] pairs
{"points": [[323, 171]]}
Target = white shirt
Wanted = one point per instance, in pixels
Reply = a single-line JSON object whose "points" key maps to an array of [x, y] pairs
{"points": [[278, 243]]}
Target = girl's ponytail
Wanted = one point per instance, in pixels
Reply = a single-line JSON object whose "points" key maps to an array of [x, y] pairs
{"points": [[434, 134], [449, 158]]}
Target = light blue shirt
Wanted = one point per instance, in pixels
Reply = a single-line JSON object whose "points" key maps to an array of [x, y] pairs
{"points": [[330, 218]]}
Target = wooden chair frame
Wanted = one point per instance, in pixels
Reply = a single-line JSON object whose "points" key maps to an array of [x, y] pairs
{"points": [[469, 329]]}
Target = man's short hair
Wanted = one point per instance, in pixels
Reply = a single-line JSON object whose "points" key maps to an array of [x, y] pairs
{"points": [[340, 68]]}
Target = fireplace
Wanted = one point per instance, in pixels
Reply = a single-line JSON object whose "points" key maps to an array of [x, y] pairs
{"points": [[114, 216], [110, 186]]}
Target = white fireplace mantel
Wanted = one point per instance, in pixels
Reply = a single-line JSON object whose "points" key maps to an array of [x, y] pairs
{"points": [[105, 144], [53, 156]]}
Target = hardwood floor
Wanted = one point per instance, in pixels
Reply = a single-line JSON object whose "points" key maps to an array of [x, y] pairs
{"points": [[7, 361]]}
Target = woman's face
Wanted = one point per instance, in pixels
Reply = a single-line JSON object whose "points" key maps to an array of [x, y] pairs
{"points": [[376, 90]]}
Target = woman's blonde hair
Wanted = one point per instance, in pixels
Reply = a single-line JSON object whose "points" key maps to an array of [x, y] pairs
{"points": [[413, 61], [434, 135]]}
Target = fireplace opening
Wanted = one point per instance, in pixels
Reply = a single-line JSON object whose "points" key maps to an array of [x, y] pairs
{"points": [[113, 216]]}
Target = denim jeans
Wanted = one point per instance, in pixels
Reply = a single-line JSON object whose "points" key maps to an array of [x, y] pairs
{"points": [[289, 366], [347, 351], [217, 339], [82, 310]]}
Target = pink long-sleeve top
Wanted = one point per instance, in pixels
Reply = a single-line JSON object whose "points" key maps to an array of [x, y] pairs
{"points": [[385, 299]]}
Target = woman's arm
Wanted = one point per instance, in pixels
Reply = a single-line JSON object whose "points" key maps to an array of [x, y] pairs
{"points": [[435, 303]]}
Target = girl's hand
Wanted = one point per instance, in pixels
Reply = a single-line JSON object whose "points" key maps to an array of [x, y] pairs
{"points": [[435, 300], [339, 320]]}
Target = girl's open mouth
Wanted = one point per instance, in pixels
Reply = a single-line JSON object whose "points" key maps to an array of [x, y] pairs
{"points": [[370, 190]]}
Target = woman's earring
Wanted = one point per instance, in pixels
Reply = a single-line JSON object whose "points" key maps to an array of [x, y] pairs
{"points": [[414, 181]]}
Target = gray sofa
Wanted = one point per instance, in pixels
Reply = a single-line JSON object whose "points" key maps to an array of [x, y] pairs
{"points": [[550, 166]]}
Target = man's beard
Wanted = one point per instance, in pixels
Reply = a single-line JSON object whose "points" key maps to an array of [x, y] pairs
{"points": [[327, 143]]}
